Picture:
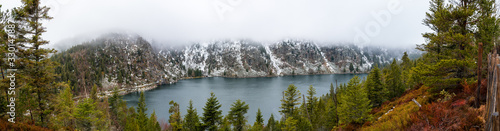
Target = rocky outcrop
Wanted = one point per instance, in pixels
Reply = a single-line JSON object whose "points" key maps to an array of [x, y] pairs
{"points": [[131, 63], [243, 58]]}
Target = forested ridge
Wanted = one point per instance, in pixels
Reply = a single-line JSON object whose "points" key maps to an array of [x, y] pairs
{"points": [[442, 90], [105, 62]]}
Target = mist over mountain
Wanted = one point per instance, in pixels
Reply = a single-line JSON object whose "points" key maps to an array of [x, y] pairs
{"points": [[130, 61]]}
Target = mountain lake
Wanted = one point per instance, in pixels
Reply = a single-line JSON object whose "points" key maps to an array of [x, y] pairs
{"points": [[261, 92]]}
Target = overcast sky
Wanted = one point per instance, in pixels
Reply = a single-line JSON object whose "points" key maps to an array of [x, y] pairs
{"points": [[373, 22]]}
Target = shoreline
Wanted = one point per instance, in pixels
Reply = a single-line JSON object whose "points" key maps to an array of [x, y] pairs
{"points": [[288, 75]]}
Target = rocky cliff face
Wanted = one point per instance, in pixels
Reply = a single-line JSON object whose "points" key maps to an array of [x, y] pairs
{"points": [[243, 58], [129, 61]]}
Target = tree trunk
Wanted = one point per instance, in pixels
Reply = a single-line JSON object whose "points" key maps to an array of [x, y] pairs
{"points": [[305, 105], [479, 64]]}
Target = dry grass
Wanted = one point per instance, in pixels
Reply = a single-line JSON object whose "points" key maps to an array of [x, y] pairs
{"points": [[399, 118]]}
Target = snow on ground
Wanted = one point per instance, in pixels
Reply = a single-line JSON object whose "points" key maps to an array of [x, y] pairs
{"points": [[274, 61]]}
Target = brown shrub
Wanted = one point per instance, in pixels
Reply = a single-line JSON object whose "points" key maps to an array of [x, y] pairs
{"points": [[449, 115], [8, 126]]}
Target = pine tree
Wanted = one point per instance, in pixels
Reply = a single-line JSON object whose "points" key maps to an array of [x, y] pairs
{"points": [[394, 81], [354, 103], [375, 87], [259, 121], [440, 75], [100, 108], [64, 109], [102, 115], [237, 113], [439, 20], [153, 124], [85, 114], [332, 91], [225, 125], [488, 31], [93, 93], [311, 99], [436, 20], [33, 59], [132, 123], [458, 27], [191, 120], [320, 115], [351, 67], [406, 66], [4, 16], [212, 115], [290, 99], [488, 26], [271, 124], [332, 117], [290, 124], [175, 116], [142, 117], [114, 101], [118, 110], [303, 124]]}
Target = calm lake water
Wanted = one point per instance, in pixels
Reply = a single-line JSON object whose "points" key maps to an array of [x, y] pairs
{"points": [[263, 92]]}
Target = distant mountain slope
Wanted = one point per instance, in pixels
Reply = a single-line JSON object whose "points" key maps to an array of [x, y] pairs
{"points": [[131, 63], [243, 58], [113, 60]]}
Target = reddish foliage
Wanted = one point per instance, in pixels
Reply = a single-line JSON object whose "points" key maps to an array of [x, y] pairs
{"points": [[469, 92], [368, 123], [8, 126], [458, 103], [446, 116], [350, 127], [468, 88], [379, 108], [164, 125]]}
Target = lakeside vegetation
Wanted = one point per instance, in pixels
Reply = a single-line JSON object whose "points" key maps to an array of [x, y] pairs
{"points": [[443, 81]]}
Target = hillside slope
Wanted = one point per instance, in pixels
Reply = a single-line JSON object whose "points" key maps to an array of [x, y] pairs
{"points": [[446, 111]]}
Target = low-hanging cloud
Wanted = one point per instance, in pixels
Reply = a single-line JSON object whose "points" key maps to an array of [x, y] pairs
{"points": [[186, 21]]}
